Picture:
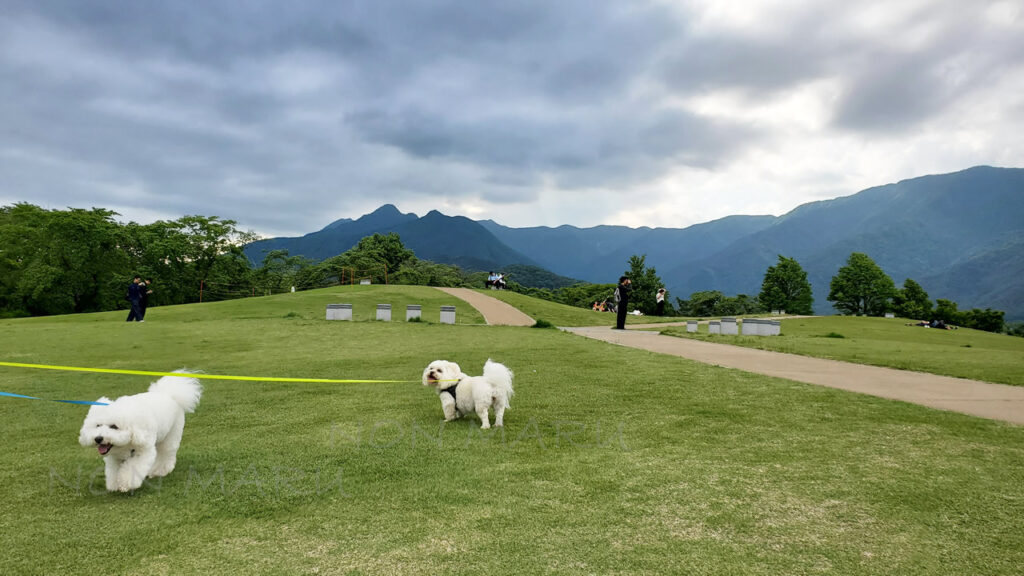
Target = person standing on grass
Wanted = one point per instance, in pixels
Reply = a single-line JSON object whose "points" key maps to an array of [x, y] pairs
{"points": [[659, 309], [622, 302], [134, 296], [144, 301]]}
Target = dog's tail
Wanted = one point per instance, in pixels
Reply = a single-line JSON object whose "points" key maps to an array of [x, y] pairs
{"points": [[184, 391], [500, 377]]}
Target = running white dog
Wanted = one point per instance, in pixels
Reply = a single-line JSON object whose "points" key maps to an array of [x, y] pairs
{"points": [[461, 394], [139, 435]]}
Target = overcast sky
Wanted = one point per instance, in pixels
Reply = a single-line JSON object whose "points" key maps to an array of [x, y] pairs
{"points": [[287, 116]]}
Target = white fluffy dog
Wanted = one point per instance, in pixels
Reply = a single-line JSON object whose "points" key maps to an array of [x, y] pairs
{"points": [[139, 435], [462, 394]]}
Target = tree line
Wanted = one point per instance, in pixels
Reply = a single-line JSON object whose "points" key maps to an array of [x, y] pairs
{"points": [[77, 260], [859, 288]]}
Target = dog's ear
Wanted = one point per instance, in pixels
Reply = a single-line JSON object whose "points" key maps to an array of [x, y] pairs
{"points": [[88, 432]]}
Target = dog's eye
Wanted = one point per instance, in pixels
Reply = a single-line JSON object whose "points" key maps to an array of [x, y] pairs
{"points": [[113, 426]]}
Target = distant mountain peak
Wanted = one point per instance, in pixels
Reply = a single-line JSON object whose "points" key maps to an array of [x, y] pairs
{"points": [[386, 210]]}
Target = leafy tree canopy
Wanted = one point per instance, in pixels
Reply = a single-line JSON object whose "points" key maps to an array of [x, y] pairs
{"points": [[911, 301], [785, 287], [645, 285], [861, 288]]}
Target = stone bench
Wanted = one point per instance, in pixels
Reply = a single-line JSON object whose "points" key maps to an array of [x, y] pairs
{"points": [[447, 314], [339, 311], [729, 326], [751, 326]]}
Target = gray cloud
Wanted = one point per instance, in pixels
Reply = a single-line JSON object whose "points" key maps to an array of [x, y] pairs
{"points": [[280, 116]]}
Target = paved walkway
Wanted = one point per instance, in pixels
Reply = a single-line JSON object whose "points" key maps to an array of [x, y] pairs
{"points": [[495, 312], [994, 401], [984, 399]]}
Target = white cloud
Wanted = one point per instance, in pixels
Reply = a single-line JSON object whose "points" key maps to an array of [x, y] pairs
{"points": [[659, 114]]}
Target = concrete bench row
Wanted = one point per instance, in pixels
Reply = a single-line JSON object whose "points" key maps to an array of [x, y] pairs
{"points": [[750, 326], [344, 312]]}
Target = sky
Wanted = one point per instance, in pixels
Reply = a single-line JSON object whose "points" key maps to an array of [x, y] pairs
{"points": [[287, 116]]}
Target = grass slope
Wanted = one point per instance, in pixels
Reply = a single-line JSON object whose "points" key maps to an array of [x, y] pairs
{"points": [[613, 460], [890, 342], [563, 315]]}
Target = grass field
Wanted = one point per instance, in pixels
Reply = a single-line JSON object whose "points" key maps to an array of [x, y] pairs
{"points": [[562, 315], [613, 460], [890, 342]]}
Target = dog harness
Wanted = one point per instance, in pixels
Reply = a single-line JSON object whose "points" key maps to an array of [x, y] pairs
{"points": [[451, 390]]}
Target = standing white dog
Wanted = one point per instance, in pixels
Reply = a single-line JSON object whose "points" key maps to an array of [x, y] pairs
{"points": [[139, 435], [461, 394]]}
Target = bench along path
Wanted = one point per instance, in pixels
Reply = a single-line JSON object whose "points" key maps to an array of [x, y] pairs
{"points": [[984, 399], [495, 312]]}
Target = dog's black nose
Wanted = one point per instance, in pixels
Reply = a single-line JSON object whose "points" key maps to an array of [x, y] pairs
{"points": [[99, 439]]}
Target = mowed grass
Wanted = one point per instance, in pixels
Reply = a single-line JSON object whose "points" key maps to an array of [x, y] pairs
{"points": [[612, 461], [563, 315], [889, 342]]}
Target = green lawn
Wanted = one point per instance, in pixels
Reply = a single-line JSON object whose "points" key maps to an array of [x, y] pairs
{"points": [[613, 460], [562, 315], [890, 342]]}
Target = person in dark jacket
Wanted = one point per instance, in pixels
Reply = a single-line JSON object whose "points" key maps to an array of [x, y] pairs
{"points": [[144, 302], [622, 302], [135, 292]]}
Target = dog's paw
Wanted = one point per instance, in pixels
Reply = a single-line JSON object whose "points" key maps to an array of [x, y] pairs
{"points": [[485, 426], [126, 486], [161, 470]]}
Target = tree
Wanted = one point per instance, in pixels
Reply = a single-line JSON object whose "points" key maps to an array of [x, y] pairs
{"points": [[584, 295], [379, 256], [379, 248], [737, 306], [280, 271], [946, 310], [58, 261], [912, 301], [645, 285], [785, 287], [861, 287], [988, 319], [418, 272], [701, 304]]}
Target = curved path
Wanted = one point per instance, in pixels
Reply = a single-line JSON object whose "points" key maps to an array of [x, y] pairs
{"points": [[984, 399], [495, 312]]}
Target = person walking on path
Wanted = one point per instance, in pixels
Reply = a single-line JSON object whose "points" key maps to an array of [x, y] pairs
{"points": [[135, 292], [622, 302], [659, 309], [144, 301]]}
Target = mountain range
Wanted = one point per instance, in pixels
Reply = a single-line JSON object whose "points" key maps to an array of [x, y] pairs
{"points": [[959, 235]]}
